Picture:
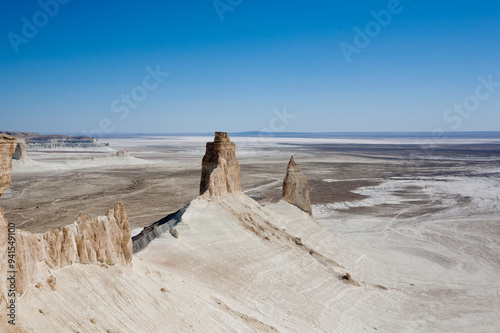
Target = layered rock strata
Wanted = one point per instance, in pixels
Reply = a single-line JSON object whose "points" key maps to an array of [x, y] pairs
{"points": [[295, 188], [7, 145], [220, 171], [105, 239]]}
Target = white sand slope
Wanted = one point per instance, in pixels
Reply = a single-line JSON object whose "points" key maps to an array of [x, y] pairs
{"points": [[236, 267], [240, 267]]}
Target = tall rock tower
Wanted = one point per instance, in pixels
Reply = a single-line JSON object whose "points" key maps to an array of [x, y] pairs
{"points": [[220, 171], [295, 188]]}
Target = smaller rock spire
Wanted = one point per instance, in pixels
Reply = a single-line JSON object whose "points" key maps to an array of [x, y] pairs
{"points": [[295, 188]]}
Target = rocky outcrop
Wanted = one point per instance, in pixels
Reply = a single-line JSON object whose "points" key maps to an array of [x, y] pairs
{"points": [[105, 239], [295, 188], [7, 144], [20, 151], [220, 175], [220, 171], [123, 152]]}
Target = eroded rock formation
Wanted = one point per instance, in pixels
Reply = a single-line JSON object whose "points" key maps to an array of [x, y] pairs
{"points": [[123, 152], [7, 144], [20, 151], [220, 171], [295, 188], [105, 239]]}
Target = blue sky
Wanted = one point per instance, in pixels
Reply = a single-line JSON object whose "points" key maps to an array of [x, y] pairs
{"points": [[268, 65]]}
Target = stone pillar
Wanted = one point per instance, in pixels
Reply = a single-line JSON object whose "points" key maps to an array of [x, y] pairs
{"points": [[295, 188], [220, 171]]}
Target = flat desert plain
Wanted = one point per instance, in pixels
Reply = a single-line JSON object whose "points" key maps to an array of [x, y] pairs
{"points": [[425, 219]]}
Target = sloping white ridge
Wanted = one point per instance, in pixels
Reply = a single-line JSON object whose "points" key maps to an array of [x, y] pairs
{"points": [[236, 267]]}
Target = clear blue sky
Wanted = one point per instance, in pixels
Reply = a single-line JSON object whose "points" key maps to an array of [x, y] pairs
{"points": [[230, 74]]}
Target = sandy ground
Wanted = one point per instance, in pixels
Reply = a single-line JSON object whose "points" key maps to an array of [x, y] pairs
{"points": [[425, 228]]}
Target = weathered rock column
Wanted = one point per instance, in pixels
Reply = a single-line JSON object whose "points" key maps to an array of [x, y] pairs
{"points": [[220, 171], [295, 188]]}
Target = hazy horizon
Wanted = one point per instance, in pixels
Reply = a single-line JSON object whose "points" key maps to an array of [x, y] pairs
{"points": [[282, 134]]}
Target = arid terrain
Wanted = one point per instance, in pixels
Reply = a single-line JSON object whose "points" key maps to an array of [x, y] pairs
{"points": [[424, 224]]}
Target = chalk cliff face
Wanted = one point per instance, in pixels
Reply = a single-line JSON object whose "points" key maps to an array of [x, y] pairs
{"points": [[220, 171], [105, 239], [7, 144], [295, 188]]}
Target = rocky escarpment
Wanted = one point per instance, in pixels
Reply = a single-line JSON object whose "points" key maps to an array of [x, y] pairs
{"points": [[33, 257], [38, 141], [220, 171], [7, 144], [295, 188], [105, 239]]}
